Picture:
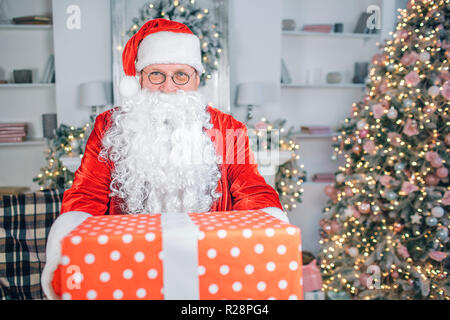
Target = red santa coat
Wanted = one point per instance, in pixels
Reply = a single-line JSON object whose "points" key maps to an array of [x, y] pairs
{"points": [[241, 185]]}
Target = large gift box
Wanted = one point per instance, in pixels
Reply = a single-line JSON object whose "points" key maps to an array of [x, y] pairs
{"points": [[212, 255]]}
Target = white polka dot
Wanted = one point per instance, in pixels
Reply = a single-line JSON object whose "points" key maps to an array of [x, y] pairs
{"points": [[259, 248], [127, 238], [249, 269], [127, 274], [224, 269], [89, 258], [281, 249], [290, 230], [293, 297], [261, 286], [91, 294], [160, 255], [77, 277], [115, 255], [300, 247], [221, 234], [75, 240], [66, 296], [152, 273], [105, 276], [103, 239], [150, 236], [118, 294], [247, 233], [139, 256], [270, 266], [65, 260], [235, 252], [211, 253], [141, 293], [213, 289], [201, 235], [237, 286], [293, 265], [282, 284], [201, 270], [270, 232]]}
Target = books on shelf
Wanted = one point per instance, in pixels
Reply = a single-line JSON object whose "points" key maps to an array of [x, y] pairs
{"points": [[48, 76], [323, 177], [285, 76], [32, 20], [315, 129], [13, 132], [325, 28]]}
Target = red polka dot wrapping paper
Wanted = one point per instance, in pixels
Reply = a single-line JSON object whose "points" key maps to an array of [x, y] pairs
{"points": [[241, 255]]}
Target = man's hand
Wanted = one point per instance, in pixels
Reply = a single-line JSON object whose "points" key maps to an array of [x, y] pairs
{"points": [[62, 226], [277, 213]]}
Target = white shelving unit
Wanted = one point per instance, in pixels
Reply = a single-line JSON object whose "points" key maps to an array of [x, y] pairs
{"points": [[25, 47], [309, 100], [362, 36], [26, 85], [25, 27]]}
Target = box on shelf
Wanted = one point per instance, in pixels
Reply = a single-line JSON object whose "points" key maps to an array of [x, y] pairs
{"points": [[212, 255]]}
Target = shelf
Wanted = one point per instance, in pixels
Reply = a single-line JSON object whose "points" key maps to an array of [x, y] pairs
{"points": [[325, 86], [30, 142], [27, 85], [26, 27], [363, 36], [315, 136]]}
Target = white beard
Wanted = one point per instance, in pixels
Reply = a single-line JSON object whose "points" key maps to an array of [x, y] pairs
{"points": [[163, 161]]}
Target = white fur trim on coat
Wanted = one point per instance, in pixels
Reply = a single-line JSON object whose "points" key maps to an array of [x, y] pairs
{"points": [[61, 227], [170, 47]]}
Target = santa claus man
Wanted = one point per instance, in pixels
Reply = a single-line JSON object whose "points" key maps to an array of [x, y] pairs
{"points": [[164, 150]]}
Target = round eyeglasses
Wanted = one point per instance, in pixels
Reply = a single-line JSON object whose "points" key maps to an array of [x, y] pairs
{"points": [[179, 78]]}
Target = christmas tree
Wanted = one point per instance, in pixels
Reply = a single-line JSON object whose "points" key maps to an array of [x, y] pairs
{"points": [[384, 234]]}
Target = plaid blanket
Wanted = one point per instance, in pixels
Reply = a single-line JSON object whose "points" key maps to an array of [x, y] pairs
{"points": [[25, 222]]}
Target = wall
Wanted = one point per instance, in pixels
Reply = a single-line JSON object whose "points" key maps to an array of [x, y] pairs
{"points": [[82, 55], [255, 50]]}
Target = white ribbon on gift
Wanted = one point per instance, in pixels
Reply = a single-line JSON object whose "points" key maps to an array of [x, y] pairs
{"points": [[180, 257]]}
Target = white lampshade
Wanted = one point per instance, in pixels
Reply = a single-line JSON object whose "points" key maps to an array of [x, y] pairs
{"points": [[254, 93], [93, 94]]}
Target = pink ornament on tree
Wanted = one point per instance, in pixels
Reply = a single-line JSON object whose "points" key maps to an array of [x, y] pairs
{"points": [[378, 111], [363, 133], [431, 180], [438, 255], [395, 138], [410, 128], [412, 79], [434, 91], [446, 90], [408, 187], [424, 56], [446, 199], [409, 59], [369, 147], [383, 88], [402, 251], [386, 180]]}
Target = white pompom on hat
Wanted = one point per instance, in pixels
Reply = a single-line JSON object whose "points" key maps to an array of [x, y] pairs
{"points": [[158, 41]]}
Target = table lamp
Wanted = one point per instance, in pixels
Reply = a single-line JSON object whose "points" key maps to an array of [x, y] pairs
{"points": [[253, 94], [93, 94]]}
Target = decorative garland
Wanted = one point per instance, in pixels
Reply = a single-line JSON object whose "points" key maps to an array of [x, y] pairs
{"points": [[68, 141], [290, 175], [198, 21]]}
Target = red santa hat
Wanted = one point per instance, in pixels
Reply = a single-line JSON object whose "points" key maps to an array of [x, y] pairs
{"points": [[159, 41]]}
